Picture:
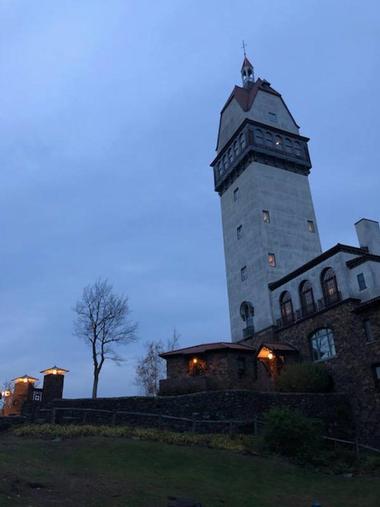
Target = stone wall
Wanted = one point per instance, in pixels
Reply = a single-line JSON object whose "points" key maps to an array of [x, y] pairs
{"points": [[222, 406], [352, 367]]}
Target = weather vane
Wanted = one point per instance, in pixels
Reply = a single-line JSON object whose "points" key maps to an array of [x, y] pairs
{"points": [[244, 45]]}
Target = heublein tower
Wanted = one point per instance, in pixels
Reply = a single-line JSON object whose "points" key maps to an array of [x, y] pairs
{"points": [[261, 174]]}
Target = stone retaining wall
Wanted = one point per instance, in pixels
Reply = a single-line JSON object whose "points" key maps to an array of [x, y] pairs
{"points": [[222, 406]]}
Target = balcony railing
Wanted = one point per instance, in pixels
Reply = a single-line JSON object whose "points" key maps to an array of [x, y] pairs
{"points": [[311, 309]]}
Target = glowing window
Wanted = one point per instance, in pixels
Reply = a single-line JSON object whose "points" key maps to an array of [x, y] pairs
{"points": [[322, 345], [272, 260]]}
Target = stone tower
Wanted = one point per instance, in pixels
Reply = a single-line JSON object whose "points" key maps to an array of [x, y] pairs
{"points": [[261, 174]]}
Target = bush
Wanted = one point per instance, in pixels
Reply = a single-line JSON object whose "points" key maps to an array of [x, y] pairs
{"points": [[304, 378], [290, 433]]}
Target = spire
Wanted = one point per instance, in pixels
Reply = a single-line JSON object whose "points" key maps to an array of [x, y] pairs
{"points": [[247, 72]]}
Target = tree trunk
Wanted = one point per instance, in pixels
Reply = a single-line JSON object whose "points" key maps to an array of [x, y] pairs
{"points": [[95, 385]]}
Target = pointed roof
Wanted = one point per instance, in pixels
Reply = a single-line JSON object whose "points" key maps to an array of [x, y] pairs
{"points": [[246, 63], [54, 370], [24, 378]]}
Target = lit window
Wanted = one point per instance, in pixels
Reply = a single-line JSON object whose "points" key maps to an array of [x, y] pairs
{"points": [[272, 260], [239, 232], [230, 155], [243, 274], [272, 117], [310, 226], [368, 330], [286, 307], [197, 366], [266, 216], [242, 141], [236, 148], [278, 141], [306, 298], [329, 286], [361, 281], [236, 194], [322, 344]]}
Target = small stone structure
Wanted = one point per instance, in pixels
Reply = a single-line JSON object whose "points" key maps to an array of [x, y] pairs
{"points": [[209, 367]]}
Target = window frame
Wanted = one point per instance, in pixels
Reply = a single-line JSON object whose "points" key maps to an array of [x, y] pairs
{"points": [[272, 255], [266, 216], [329, 335], [286, 316], [236, 194], [329, 280], [239, 231], [362, 284], [311, 226], [306, 308], [243, 274]]}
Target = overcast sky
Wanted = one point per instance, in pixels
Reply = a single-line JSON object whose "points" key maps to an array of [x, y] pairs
{"points": [[109, 112]]}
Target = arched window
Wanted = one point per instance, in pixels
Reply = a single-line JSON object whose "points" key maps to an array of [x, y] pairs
{"points": [[307, 298], [246, 313], [269, 138], [236, 148], [220, 168], [259, 136], [230, 155], [288, 145], [322, 344], [225, 162], [329, 286], [297, 149], [278, 142], [286, 307], [242, 141]]}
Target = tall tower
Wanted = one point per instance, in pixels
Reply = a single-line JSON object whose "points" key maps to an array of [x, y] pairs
{"points": [[261, 174]]}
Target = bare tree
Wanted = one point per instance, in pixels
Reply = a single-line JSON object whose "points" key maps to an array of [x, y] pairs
{"points": [[102, 321], [151, 367]]}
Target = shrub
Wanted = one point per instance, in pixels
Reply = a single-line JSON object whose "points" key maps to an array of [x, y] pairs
{"points": [[290, 433], [304, 378]]}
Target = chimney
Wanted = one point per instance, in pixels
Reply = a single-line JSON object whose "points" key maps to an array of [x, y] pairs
{"points": [[53, 384], [368, 233]]}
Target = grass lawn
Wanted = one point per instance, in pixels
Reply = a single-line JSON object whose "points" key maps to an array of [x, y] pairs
{"points": [[108, 472]]}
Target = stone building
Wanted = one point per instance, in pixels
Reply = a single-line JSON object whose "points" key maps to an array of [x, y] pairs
{"points": [[211, 366], [288, 300]]}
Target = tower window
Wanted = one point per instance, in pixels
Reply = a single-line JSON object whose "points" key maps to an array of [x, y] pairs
{"points": [[239, 232], [272, 260], [272, 117], [268, 138], [247, 313], [278, 142], [225, 161], [242, 141], [368, 330], [297, 148], [288, 145], [361, 281], [230, 155], [259, 136], [236, 194], [266, 216], [310, 226], [236, 148], [243, 273]]}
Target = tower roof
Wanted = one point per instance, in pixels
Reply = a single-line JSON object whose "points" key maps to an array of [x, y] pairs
{"points": [[246, 63]]}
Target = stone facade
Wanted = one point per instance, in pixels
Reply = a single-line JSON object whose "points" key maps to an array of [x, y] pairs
{"points": [[217, 407], [356, 334], [209, 367]]}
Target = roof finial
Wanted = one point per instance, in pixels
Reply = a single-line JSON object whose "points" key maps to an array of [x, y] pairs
{"points": [[244, 46]]}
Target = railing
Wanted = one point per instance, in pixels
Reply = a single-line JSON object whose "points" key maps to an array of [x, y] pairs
{"points": [[310, 309]]}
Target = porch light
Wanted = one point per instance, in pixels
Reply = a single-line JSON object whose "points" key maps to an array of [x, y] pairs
{"points": [[270, 356], [6, 393], [195, 360]]}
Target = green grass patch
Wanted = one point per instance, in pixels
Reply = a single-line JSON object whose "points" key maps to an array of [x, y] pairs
{"points": [[110, 471]]}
